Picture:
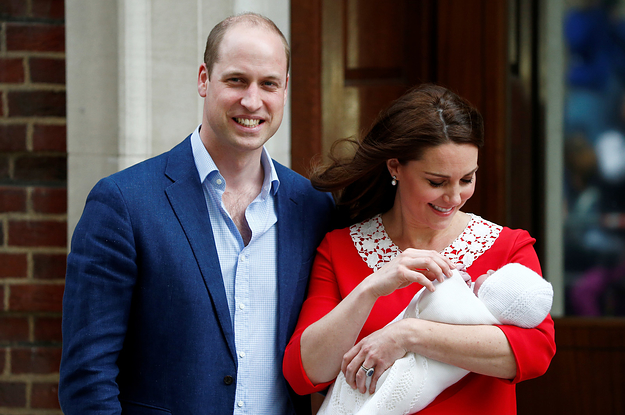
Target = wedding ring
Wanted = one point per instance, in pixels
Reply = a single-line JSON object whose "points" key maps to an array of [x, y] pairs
{"points": [[368, 370]]}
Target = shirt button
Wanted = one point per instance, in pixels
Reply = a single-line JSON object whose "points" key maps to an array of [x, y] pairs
{"points": [[240, 404], [228, 380], [218, 181], [241, 354], [242, 306]]}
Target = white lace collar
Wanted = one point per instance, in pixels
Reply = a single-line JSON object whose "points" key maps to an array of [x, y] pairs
{"points": [[376, 248]]}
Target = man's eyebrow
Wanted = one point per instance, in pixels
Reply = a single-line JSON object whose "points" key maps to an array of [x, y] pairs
{"points": [[239, 74]]}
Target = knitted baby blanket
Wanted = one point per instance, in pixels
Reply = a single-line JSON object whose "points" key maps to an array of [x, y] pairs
{"points": [[414, 381]]}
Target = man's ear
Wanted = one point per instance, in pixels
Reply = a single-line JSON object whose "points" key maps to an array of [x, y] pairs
{"points": [[286, 88], [202, 80]]}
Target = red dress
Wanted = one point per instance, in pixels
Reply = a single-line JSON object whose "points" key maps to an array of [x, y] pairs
{"points": [[347, 256]]}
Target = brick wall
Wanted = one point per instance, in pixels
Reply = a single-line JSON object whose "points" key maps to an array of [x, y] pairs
{"points": [[33, 206]]}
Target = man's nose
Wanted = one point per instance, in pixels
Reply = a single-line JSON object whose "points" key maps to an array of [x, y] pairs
{"points": [[251, 99]]}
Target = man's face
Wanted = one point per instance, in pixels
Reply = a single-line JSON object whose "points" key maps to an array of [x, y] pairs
{"points": [[245, 96]]}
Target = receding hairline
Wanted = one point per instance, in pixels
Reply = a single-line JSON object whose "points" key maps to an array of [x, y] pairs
{"points": [[245, 19]]}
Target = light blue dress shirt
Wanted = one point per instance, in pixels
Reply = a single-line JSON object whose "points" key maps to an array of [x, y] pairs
{"points": [[251, 283]]}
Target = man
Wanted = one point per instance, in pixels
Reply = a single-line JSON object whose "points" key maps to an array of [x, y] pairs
{"points": [[187, 271]]}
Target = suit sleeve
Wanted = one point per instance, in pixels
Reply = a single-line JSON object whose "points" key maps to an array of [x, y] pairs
{"points": [[533, 348], [101, 273]]}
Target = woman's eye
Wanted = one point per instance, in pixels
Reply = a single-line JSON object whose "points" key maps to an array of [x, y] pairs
{"points": [[467, 181], [435, 184]]}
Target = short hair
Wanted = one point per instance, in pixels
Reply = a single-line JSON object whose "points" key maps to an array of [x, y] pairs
{"points": [[211, 53], [424, 117]]}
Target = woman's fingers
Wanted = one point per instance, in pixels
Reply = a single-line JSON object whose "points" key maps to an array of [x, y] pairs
{"points": [[424, 267], [373, 355], [433, 262]]}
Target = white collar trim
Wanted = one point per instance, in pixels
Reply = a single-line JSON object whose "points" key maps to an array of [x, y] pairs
{"points": [[376, 248]]}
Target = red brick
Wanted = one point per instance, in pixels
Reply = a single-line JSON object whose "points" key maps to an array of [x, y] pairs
{"points": [[36, 104], [35, 37], [37, 233], [48, 329], [12, 137], [47, 137], [49, 200], [13, 8], [36, 297], [41, 169], [49, 266], [49, 9], [47, 70], [2, 305], [11, 70], [2, 114], [13, 265], [12, 394], [39, 360], [13, 329], [12, 199], [45, 396]]}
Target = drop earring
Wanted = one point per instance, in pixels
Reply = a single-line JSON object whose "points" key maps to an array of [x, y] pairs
{"points": [[394, 181]]}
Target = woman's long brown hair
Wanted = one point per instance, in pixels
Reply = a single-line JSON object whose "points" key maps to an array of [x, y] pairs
{"points": [[424, 117]]}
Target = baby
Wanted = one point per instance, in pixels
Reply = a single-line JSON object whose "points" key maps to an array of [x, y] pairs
{"points": [[512, 295]]}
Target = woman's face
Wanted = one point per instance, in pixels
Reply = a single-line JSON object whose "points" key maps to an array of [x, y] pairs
{"points": [[432, 190]]}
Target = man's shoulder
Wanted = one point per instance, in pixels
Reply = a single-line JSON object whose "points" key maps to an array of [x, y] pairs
{"points": [[180, 154], [296, 182]]}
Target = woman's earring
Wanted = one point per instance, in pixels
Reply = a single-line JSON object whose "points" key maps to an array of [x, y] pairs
{"points": [[394, 181]]}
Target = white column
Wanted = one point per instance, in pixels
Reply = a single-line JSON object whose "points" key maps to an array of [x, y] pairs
{"points": [[135, 81]]}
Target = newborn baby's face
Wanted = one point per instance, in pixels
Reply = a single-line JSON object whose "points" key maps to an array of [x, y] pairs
{"points": [[480, 280]]}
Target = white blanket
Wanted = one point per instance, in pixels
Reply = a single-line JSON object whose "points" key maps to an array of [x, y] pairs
{"points": [[414, 381]]}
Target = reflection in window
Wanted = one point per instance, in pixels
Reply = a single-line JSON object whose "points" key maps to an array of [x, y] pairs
{"points": [[594, 151]]}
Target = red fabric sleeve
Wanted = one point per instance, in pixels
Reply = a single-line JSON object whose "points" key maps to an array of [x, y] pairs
{"points": [[533, 348]]}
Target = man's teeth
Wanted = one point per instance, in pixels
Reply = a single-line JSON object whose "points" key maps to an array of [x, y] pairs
{"points": [[247, 122], [440, 209]]}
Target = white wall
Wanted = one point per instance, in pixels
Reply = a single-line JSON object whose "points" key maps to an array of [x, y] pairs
{"points": [[131, 81]]}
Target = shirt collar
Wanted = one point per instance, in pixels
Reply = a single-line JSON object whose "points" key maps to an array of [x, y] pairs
{"points": [[205, 164]]}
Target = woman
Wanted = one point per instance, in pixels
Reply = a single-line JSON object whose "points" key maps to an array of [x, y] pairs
{"points": [[403, 191]]}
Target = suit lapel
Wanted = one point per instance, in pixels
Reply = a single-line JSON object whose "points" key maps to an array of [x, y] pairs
{"points": [[187, 200], [290, 223]]}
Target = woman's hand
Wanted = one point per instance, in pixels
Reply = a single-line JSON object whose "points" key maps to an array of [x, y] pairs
{"points": [[410, 266], [379, 351]]}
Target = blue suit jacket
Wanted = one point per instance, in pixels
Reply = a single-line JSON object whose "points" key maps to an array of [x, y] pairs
{"points": [[146, 325]]}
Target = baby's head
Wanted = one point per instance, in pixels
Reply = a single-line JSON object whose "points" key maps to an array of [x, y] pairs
{"points": [[515, 295], [480, 280]]}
